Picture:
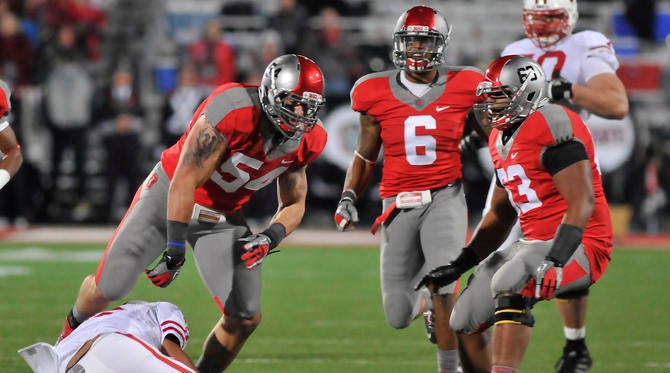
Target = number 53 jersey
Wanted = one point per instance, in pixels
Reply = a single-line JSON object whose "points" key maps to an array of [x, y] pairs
{"points": [[420, 135], [530, 186]]}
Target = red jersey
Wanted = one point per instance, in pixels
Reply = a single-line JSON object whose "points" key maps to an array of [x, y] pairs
{"points": [[235, 110], [420, 135], [530, 187]]}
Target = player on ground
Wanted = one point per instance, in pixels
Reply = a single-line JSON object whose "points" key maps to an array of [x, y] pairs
{"points": [[581, 70], [418, 113], [545, 165], [241, 138], [134, 337], [10, 150]]}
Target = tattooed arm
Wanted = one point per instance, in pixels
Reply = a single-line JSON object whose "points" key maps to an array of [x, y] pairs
{"points": [[291, 195], [203, 151]]}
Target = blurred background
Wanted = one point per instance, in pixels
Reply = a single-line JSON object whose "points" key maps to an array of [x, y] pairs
{"points": [[101, 87]]}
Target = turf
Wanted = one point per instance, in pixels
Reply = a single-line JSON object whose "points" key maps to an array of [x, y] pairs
{"points": [[323, 313]]}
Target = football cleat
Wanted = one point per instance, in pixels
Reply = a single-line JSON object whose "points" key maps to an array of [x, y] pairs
{"points": [[429, 323], [574, 361]]}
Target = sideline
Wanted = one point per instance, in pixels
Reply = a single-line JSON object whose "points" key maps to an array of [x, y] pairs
{"points": [[360, 236], [101, 234]]}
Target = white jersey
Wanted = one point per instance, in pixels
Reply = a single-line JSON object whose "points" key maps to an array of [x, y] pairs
{"points": [[577, 58], [150, 322]]}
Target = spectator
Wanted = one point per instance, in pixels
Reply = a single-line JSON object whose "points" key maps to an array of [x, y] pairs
{"points": [[336, 55], [180, 105], [121, 95], [292, 23], [121, 139], [213, 57], [68, 105]]}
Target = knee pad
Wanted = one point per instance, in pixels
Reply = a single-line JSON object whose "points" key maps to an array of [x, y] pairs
{"points": [[513, 309], [575, 294]]}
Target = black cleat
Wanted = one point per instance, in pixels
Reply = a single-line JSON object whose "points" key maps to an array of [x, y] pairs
{"points": [[429, 323], [574, 361]]}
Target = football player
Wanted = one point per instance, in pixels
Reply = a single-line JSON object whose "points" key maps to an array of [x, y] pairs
{"points": [[547, 176], [241, 138], [581, 72], [417, 114], [10, 149], [135, 337]]}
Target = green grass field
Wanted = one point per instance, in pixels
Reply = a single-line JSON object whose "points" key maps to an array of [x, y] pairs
{"points": [[323, 313]]}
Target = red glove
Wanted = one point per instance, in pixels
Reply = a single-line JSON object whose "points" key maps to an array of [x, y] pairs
{"points": [[256, 247], [548, 279]]}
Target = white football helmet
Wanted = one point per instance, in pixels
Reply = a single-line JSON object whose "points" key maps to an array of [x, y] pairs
{"points": [[419, 39], [291, 81], [548, 21], [513, 87]]}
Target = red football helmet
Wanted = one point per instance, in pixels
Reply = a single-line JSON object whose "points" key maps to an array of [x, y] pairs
{"points": [[419, 39], [291, 93], [548, 21], [514, 87]]}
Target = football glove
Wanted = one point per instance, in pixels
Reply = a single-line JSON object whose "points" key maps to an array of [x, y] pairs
{"points": [[452, 271], [256, 248], [167, 269], [346, 212], [440, 276], [548, 279], [559, 89]]}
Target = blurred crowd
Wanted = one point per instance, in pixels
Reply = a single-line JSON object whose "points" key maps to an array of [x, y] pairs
{"points": [[101, 87]]}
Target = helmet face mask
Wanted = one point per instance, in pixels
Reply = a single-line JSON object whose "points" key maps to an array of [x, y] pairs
{"points": [[420, 38], [514, 88], [291, 93], [546, 22]]}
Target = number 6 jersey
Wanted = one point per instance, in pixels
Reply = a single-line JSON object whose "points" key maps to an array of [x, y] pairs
{"points": [[420, 134]]}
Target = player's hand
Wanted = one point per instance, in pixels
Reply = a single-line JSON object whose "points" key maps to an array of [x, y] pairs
{"points": [[256, 248], [548, 279], [346, 212], [559, 89], [471, 143], [167, 269], [439, 276]]}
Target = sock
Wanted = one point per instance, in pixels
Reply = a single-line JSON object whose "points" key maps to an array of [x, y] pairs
{"points": [[503, 369], [572, 333], [447, 360]]}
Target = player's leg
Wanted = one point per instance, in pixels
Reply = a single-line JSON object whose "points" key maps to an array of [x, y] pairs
{"points": [[443, 231], [473, 313], [400, 259], [571, 302], [512, 318], [236, 290], [114, 352], [137, 241], [576, 356]]}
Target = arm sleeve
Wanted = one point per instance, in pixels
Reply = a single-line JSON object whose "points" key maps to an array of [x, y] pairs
{"points": [[555, 158], [172, 322]]}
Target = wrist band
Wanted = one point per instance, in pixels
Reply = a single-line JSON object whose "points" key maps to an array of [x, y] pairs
{"points": [[349, 194], [176, 237], [276, 232]]}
